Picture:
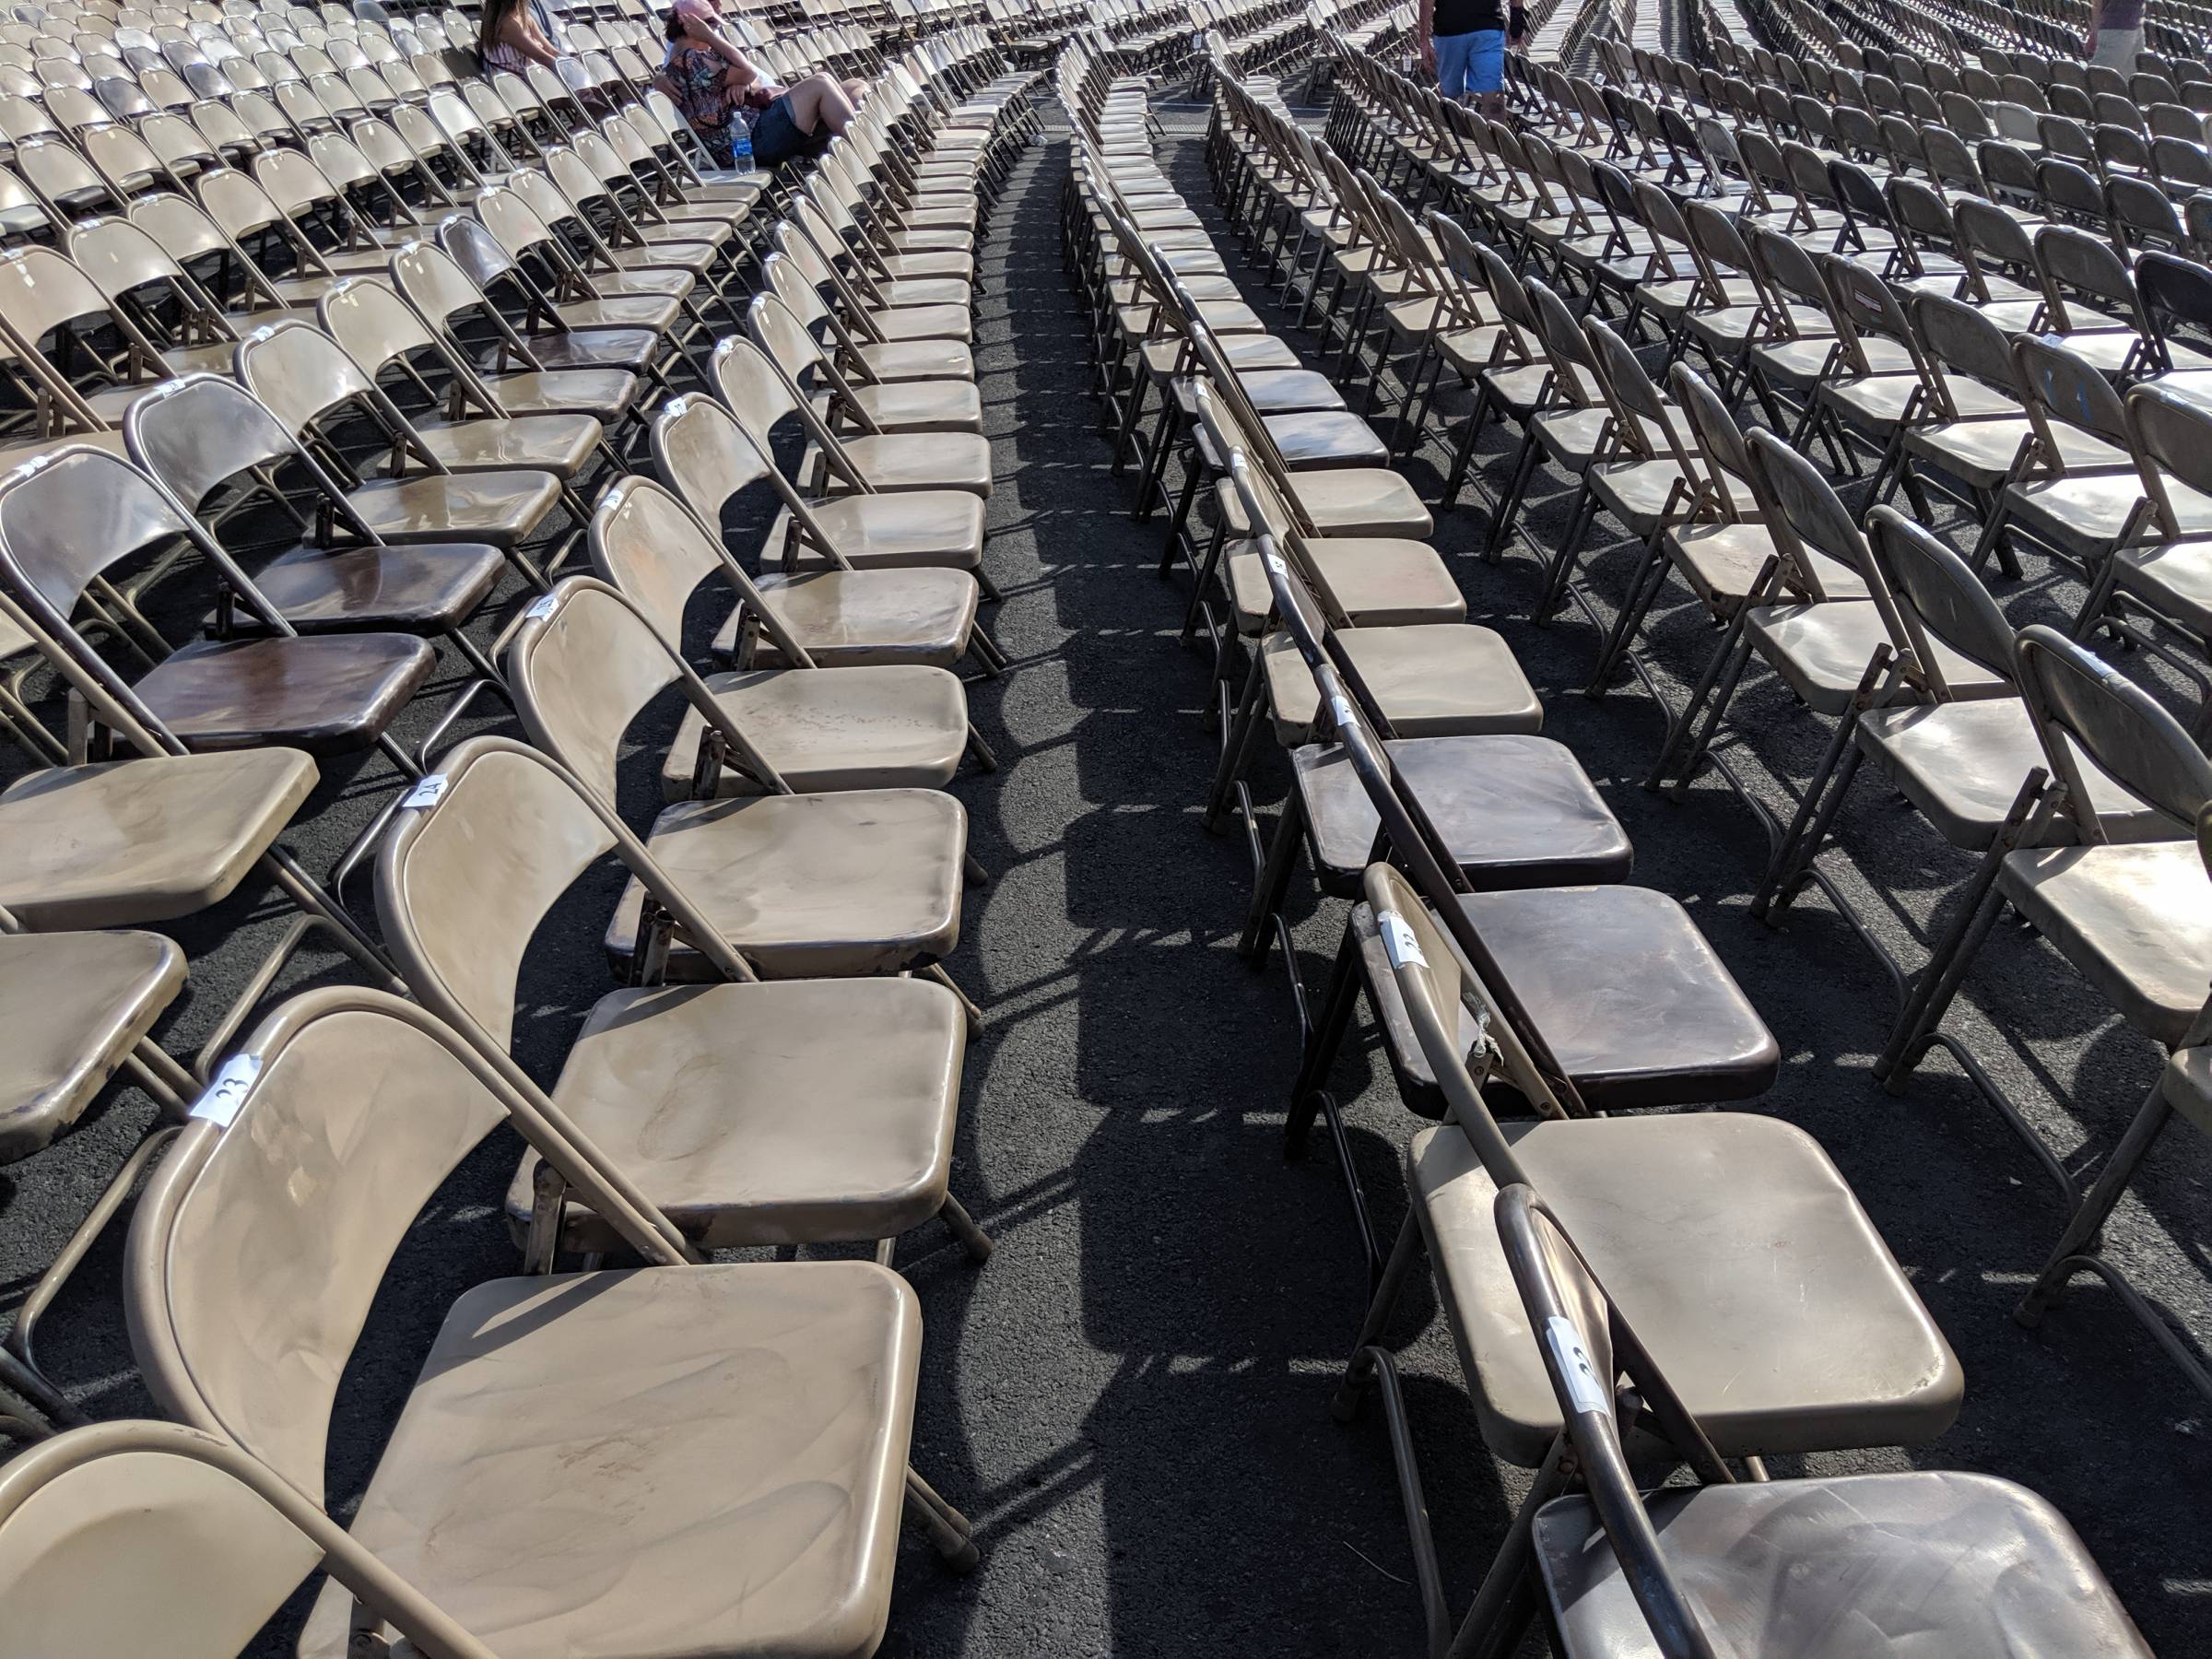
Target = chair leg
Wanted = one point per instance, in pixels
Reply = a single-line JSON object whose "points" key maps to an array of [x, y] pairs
{"points": [[1237, 741], [1801, 843], [1273, 883], [950, 1532], [1651, 576], [1507, 509], [1344, 1405], [935, 971], [1337, 1008], [1562, 570], [2081, 1237], [1939, 981], [962, 1225]]}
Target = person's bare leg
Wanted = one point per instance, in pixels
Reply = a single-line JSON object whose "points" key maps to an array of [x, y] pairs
{"points": [[817, 102]]}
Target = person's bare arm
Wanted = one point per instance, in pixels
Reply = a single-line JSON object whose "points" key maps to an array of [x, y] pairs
{"points": [[524, 35], [744, 71]]}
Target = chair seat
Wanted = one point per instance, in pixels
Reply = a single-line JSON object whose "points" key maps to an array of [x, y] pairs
{"points": [[1432, 680], [501, 508], [1326, 439], [1353, 500], [631, 349], [1962, 765], [584, 1457], [1376, 582], [924, 323], [1964, 1565], [603, 394], [942, 405], [1269, 391], [560, 444], [1245, 354], [1721, 563], [896, 361], [893, 462], [914, 527], [130, 841], [791, 1111], [1733, 1247], [658, 311], [831, 729], [894, 615], [1821, 651], [328, 694], [424, 587], [813, 886], [2135, 921], [1631, 997], [1517, 811], [2174, 579], [2090, 510], [71, 1006], [932, 291]]}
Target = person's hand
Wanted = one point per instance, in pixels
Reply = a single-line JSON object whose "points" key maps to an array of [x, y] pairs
{"points": [[1429, 54]]}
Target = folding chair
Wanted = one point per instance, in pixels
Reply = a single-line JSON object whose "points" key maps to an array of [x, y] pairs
{"points": [[128, 1536], [562, 1358], [2133, 917], [892, 609], [930, 458], [1625, 1572]]}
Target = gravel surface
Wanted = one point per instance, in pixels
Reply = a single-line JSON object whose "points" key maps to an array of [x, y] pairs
{"points": [[1129, 1400]]}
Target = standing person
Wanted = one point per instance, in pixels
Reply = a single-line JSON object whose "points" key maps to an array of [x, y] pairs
{"points": [[714, 83], [2116, 34], [1463, 41]]}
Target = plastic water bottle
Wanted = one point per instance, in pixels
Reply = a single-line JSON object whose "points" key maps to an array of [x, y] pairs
{"points": [[741, 145]]}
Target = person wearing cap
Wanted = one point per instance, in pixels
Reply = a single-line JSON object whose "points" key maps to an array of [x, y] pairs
{"points": [[714, 83]]}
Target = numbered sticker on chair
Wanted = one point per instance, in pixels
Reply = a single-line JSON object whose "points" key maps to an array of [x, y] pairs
{"points": [[426, 792], [228, 1091], [1398, 944], [1586, 1391], [1340, 711], [541, 607], [1273, 561]]}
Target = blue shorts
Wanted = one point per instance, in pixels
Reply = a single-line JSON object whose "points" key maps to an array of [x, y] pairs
{"points": [[778, 138], [1464, 64]]}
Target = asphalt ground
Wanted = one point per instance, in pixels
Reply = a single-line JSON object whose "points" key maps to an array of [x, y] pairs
{"points": [[1129, 1399]]}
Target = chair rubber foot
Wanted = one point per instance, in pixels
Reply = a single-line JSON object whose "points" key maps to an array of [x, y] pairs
{"points": [[964, 1560]]}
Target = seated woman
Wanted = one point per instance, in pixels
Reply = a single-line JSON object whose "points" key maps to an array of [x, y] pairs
{"points": [[714, 83], [511, 39]]}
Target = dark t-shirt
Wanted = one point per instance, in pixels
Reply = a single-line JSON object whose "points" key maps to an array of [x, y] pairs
{"points": [[1465, 16]]}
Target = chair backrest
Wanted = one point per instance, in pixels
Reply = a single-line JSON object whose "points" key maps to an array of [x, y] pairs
{"points": [[2057, 384], [647, 543], [141, 1537], [299, 373], [1938, 597], [261, 1238], [2117, 726], [195, 432], [2169, 435], [69, 517], [586, 662], [1587, 1346], [1807, 512], [467, 873]]}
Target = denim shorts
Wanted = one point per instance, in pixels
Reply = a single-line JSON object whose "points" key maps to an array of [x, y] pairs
{"points": [[777, 136], [1465, 63]]}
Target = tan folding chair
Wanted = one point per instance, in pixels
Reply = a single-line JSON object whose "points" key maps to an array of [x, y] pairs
{"points": [[527, 1374], [917, 406], [912, 610], [1666, 1573], [132, 1537], [905, 1093]]}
